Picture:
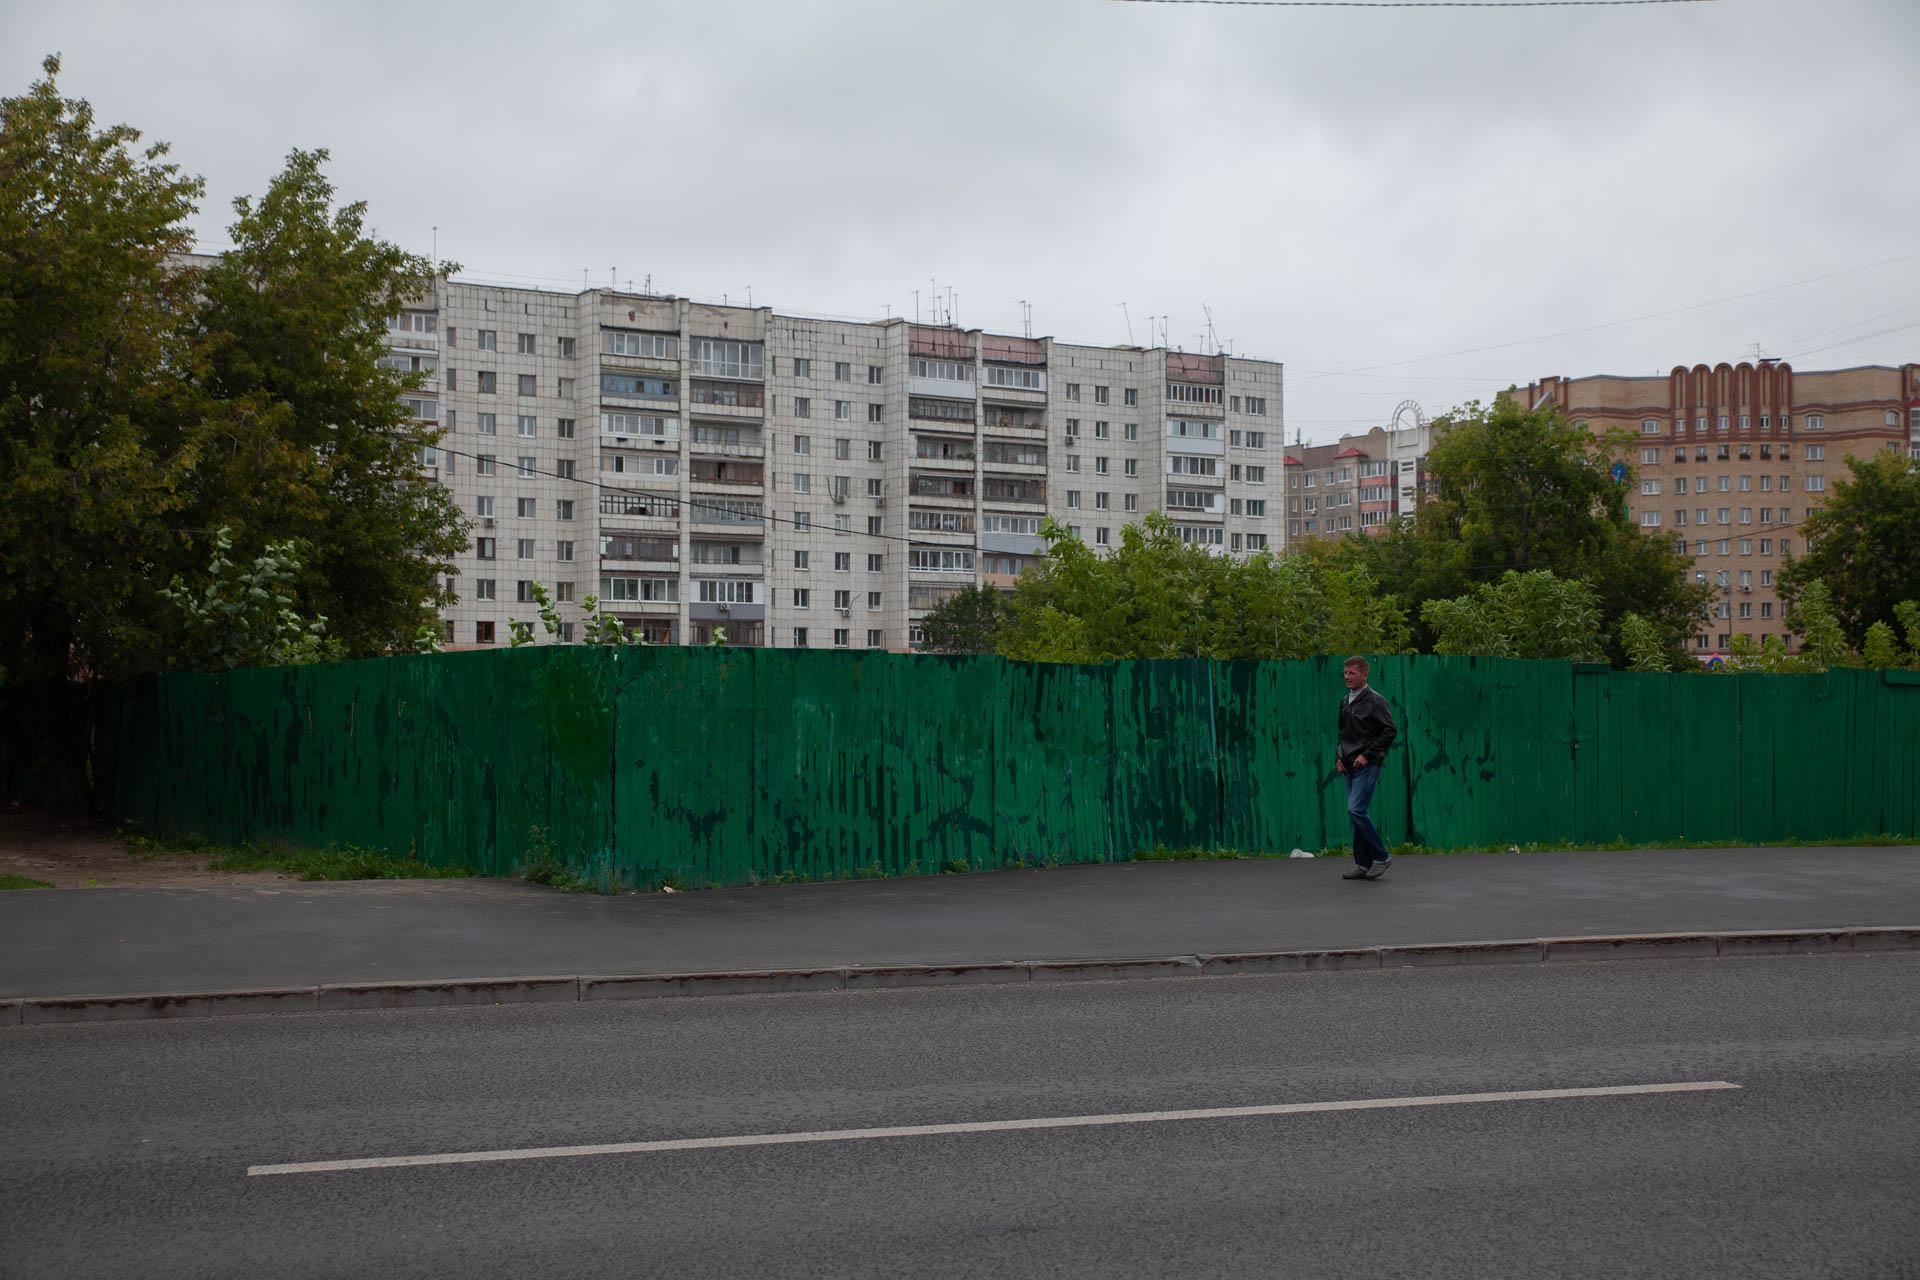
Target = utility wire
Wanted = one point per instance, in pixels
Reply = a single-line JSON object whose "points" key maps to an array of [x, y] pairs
{"points": [[1419, 4]]}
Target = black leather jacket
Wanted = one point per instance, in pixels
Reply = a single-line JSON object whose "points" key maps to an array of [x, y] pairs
{"points": [[1366, 727]]}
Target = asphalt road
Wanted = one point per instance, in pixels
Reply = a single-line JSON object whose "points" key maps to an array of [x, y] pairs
{"points": [[128, 941], [127, 1145]]}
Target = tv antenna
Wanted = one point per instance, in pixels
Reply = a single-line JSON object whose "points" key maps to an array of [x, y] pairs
{"points": [[1129, 319], [1026, 318]]}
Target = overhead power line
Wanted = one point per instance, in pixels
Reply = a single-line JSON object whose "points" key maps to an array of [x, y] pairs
{"points": [[1421, 4]]}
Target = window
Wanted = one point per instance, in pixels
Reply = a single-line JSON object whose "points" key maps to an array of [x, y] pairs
{"points": [[523, 507], [1073, 498], [873, 601], [1133, 466], [842, 450], [873, 413], [1073, 462], [1816, 484], [842, 371], [489, 382], [803, 445], [563, 427], [802, 482], [802, 407], [1189, 393], [525, 344], [1132, 430], [523, 548], [874, 640], [527, 425], [874, 451], [563, 469], [1181, 464], [803, 519], [526, 466], [1101, 431], [527, 385], [483, 633], [1649, 457], [1101, 502], [799, 637], [485, 589], [564, 347], [1073, 428], [1100, 466], [564, 389], [483, 548], [802, 597], [1131, 397], [485, 339], [843, 599], [840, 635], [523, 591], [1650, 488], [1017, 378], [1180, 429], [1815, 453], [1257, 507], [1815, 421], [874, 562], [483, 465], [453, 379], [1073, 391], [842, 561], [1650, 426], [726, 591], [483, 505], [563, 509], [719, 358], [873, 374], [843, 411], [940, 559], [802, 367], [1255, 475], [1256, 405], [800, 559]]}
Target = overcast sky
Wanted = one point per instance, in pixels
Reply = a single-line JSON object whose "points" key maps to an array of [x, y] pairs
{"points": [[1359, 193]]}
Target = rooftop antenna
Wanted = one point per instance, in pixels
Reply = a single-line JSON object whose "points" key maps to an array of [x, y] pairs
{"points": [[953, 304], [584, 286], [749, 296], [1129, 320], [916, 306], [647, 286], [1212, 337], [1026, 318], [436, 248]]}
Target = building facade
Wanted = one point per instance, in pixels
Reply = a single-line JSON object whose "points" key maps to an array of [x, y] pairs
{"points": [[1356, 484], [800, 482], [1731, 459]]}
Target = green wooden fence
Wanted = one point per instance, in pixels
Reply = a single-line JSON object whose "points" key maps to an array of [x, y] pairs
{"points": [[724, 766]]}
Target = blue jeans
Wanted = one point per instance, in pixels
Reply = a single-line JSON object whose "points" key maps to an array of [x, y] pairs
{"points": [[1368, 847]]}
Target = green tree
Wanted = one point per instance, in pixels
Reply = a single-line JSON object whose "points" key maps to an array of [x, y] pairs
{"points": [[312, 441], [1519, 489], [969, 622], [1646, 647], [90, 494], [245, 617], [1822, 642], [1524, 615], [1882, 648], [1864, 544]]}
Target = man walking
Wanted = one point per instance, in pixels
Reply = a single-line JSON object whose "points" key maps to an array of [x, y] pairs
{"points": [[1366, 731]]}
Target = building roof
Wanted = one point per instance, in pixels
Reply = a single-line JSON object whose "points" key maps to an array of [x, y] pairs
{"points": [[1294, 462], [1351, 453]]}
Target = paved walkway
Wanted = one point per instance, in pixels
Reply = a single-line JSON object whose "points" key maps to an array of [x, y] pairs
{"points": [[134, 941]]}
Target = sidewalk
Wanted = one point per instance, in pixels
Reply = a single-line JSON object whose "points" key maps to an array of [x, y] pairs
{"points": [[136, 941]]}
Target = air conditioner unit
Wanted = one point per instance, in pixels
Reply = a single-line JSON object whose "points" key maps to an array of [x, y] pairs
{"points": [[839, 498], [726, 608], [486, 522], [846, 613], [879, 502], [620, 439]]}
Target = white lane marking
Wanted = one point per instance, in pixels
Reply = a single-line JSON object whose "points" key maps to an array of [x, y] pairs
{"points": [[978, 1126]]}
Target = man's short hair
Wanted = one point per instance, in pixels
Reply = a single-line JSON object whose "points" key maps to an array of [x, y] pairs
{"points": [[1355, 662]]}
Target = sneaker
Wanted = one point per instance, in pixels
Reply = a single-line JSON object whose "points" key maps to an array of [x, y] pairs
{"points": [[1358, 873], [1378, 869]]}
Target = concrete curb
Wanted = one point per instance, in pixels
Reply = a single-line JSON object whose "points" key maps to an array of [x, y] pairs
{"points": [[45, 1010]]}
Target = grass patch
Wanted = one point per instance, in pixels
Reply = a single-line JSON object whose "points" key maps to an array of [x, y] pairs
{"points": [[544, 867], [335, 862], [1192, 853], [22, 882]]}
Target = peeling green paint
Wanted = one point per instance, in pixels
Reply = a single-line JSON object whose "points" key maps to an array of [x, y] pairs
{"points": [[729, 766]]}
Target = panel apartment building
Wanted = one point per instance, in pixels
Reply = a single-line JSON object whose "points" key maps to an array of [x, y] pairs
{"points": [[1356, 484], [800, 482], [1731, 459]]}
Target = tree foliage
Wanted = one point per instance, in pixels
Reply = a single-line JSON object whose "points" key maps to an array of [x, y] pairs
{"points": [[1155, 596], [244, 616], [969, 622], [1864, 544], [1646, 648], [1523, 615]]}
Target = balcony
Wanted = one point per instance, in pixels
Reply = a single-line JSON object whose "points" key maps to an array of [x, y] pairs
{"points": [[709, 473], [658, 444], [727, 399], [1015, 491], [940, 388], [922, 487], [727, 449]]}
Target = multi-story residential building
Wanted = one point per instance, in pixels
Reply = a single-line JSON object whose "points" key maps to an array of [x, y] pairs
{"points": [[1356, 484], [1731, 459], [801, 482]]}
